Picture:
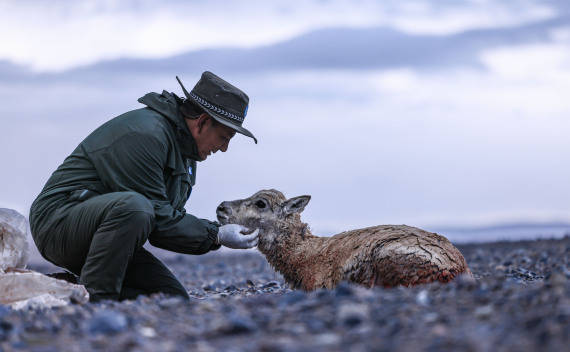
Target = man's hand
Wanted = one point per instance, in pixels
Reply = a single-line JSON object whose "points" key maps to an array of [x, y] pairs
{"points": [[231, 236]]}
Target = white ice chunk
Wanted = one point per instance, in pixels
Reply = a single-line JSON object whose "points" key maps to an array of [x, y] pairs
{"points": [[22, 288], [14, 230]]}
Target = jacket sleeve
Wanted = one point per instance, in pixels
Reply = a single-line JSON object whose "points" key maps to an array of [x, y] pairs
{"points": [[136, 162]]}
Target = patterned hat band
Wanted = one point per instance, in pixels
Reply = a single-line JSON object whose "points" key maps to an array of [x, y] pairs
{"points": [[216, 109]]}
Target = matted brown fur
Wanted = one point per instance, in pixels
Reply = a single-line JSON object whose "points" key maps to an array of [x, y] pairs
{"points": [[386, 255]]}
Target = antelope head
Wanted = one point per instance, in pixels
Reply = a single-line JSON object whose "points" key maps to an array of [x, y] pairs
{"points": [[267, 210]]}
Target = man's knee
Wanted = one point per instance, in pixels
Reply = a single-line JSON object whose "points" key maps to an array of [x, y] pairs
{"points": [[135, 211], [134, 202]]}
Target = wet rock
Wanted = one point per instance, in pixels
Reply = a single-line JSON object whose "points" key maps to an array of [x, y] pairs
{"points": [[344, 290], [231, 288], [4, 310], [465, 282], [431, 317], [171, 302], [316, 325], [322, 293], [208, 288], [238, 324], [557, 279], [291, 298], [219, 284], [147, 332], [19, 345], [5, 328], [484, 312], [221, 265], [328, 339], [482, 294], [439, 330], [107, 322], [422, 298], [271, 284], [351, 315]]}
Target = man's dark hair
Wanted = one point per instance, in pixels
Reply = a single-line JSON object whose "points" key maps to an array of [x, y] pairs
{"points": [[192, 111]]}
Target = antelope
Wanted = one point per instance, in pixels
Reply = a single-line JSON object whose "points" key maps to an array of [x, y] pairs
{"points": [[385, 255]]}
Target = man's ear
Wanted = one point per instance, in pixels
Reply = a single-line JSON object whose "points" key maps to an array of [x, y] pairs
{"points": [[295, 204], [202, 121]]}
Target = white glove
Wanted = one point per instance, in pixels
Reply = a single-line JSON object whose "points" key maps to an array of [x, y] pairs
{"points": [[231, 236]]}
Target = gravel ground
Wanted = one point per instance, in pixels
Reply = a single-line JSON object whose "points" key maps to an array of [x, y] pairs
{"points": [[518, 301]]}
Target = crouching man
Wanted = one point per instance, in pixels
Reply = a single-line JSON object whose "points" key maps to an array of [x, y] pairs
{"points": [[128, 182]]}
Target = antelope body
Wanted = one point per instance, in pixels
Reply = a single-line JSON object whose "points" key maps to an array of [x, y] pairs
{"points": [[385, 255]]}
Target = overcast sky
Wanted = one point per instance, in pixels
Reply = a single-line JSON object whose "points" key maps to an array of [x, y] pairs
{"points": [[427, 113]]}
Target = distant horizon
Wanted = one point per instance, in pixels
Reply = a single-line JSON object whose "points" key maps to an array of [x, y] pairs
{"points": [[457, 236], [457, 227]]}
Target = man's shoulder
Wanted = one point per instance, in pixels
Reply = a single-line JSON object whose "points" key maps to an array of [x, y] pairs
{"points": [[143, 122]]}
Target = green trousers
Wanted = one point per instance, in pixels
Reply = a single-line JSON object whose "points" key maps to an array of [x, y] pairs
{"points": [[101, 240]]}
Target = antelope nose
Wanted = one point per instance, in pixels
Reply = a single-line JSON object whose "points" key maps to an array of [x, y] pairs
{"points": [[223, 209]]}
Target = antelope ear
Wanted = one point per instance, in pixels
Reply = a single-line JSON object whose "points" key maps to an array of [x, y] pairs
{"points": [[295, 204]]}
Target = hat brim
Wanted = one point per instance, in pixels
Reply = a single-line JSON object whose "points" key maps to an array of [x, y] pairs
{"points": [[217, 117], [228, 123]]}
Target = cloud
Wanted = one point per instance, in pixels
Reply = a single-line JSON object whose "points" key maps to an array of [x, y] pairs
{"points": [[59, 35], [342, 48]]}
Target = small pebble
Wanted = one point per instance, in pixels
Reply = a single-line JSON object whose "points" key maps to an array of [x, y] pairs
{"points": [[344, 290], [422, 298], [4, 310], [107, 322], [147, 332], [238, 325], [271, 284], [231, 288], [484, 312], [351, 314]]}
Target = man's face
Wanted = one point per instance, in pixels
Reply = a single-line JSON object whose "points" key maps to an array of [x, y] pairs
{"points": [[212, 137]]}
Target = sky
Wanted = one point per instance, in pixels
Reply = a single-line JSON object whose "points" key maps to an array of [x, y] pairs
{"points": [[430, 113]]}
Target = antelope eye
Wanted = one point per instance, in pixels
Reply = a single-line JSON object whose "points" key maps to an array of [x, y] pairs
{"points": [[260, 204]]}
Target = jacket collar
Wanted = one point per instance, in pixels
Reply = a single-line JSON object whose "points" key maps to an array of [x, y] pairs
{"points": [[168, 105]]}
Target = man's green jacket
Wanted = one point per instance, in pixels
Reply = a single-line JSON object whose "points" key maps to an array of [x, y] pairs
{"points": [[150, 151]]}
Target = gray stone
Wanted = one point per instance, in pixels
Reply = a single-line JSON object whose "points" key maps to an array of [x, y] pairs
{"points": [[351, 314], [238, 324], [422, 298], [484, 312], [271, 284], [107, 322]]}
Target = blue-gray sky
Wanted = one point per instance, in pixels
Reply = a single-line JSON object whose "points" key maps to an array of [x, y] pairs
{"points": [[428, 113]]}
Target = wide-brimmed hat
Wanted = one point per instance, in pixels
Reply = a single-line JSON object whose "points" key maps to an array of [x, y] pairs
{"points": [[221, 100]]}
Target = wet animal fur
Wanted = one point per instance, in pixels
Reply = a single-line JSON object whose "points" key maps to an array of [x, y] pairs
{"points": [[386, 255]]}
